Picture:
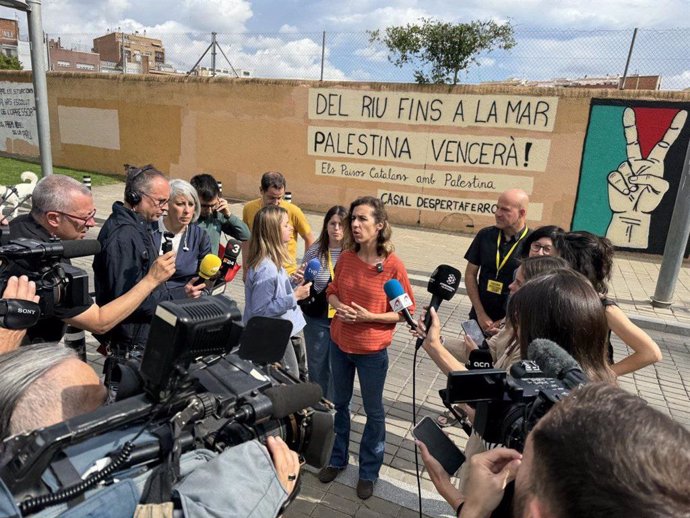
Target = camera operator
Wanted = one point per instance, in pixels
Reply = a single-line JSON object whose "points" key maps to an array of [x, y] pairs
{"points": [[63, 208], [574, 464], [44, 384]]}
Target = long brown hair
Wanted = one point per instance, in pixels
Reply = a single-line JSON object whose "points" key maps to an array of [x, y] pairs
{"points": [[562, 306], [384, 246], [266, 240], [336, 210]]}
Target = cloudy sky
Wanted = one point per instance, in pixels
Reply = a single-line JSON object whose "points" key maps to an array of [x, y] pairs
{"points": [[282, 38]]}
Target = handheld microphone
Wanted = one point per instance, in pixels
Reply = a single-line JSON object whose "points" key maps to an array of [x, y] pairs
{"points": [[555, 362], [229, 266], [18, 314], [208, 269], [443, 284], [167, 241], [312, 270], [480, 359], [399, 300]]}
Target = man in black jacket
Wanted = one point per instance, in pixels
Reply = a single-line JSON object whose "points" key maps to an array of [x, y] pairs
{"points": [[63, 208], [128, 253]]}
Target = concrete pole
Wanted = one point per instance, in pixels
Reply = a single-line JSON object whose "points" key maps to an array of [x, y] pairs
{"points": [[676, 241], [38, 66], [213, 54]]}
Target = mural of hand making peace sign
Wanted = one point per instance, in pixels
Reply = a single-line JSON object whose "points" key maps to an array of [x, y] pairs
{"points": [[631, 166]]}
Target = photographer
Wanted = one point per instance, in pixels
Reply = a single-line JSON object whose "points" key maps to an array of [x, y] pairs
{"points": [[574, 466], [44, 384], [63, 208]]}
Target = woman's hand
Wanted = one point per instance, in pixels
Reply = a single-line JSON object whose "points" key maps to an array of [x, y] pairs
{"points": [[470, 344], [297, 277], [352, 314], [285, 461], [192, 290], [302, 292], [439, 477]]}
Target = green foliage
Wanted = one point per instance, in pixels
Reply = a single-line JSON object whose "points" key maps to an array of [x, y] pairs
{"points": [[9, 63], [447, 48], [10, 169]]}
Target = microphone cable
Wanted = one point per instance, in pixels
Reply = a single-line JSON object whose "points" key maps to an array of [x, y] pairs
{"points": [[414, 423]]}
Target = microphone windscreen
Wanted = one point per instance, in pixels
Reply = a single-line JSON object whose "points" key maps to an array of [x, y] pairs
{"points": [[444, 282], [80, 248], [551, 358], [209, 266], [312, 270], [288, 399], [232, 249], [393, 288]]}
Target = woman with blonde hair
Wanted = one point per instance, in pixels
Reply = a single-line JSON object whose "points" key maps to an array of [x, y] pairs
{"points": [[268, 291]]}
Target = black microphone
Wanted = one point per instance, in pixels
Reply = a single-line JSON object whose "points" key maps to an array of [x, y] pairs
{"points": [[18, 314], [232, 251], [480, 359], [80, 248], [443, 284], [288, 399], [167, 241], [555, 362], [399, 300]]}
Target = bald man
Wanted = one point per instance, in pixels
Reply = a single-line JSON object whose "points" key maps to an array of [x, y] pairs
{"points": [[493, 257]]}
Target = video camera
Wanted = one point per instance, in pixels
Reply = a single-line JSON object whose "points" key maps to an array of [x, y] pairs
{"points": [[58, 284], [197, 390], [508, 406]]}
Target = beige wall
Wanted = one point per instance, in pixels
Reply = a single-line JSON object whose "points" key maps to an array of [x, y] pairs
{"points": [[237, 129]]}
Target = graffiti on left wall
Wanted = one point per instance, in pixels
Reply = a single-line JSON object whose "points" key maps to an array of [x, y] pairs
{"points": [[631, 167]]}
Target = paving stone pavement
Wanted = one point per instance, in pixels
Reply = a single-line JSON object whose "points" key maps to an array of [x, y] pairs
{"points": [[665, 386]]}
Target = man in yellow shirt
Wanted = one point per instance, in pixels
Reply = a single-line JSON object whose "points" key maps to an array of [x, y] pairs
{"points": [[272, 191]]}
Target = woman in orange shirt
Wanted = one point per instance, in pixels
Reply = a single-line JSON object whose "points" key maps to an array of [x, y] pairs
{"points": [[361, 332]]}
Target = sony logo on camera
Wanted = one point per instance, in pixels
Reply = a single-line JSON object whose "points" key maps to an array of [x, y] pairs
{"points": [[26, 311]]}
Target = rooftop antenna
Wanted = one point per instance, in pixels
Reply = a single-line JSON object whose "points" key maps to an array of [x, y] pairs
{"points": [[213, 47]]}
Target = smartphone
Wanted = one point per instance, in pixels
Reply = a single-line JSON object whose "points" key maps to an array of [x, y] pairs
{"points": [[472, 329], [439, 445]]}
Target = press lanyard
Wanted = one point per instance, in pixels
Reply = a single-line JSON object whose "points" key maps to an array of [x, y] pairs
{"points": [[500, 264], [331, 309]]}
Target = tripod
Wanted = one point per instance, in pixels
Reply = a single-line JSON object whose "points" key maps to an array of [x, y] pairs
{"points": [[213, 47]]}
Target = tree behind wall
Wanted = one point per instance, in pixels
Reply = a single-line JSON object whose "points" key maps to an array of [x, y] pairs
{"points": [[448, 48], [9, 63]]}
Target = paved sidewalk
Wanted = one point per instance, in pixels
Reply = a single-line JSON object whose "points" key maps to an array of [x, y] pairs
{"points": [[665, 385]]}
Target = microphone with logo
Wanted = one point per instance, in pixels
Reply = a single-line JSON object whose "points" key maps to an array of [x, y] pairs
{"points": [[399, 300], [229, 266], [208, 271], [443, 284], [312, 270]]}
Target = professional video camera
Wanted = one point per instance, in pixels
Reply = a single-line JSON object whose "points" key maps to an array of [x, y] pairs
{"points": [[58, 284], [199, 390], [508, 407]]}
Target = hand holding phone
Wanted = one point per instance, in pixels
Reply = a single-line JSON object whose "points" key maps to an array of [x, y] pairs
{"points": [[439, 445], [472, 329]]}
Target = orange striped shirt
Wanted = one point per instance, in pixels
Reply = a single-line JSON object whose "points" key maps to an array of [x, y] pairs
{"points": [[357, 281]]}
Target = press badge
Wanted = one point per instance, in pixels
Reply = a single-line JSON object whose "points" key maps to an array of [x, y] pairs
{"points": [[331, 311], [494, 287]]}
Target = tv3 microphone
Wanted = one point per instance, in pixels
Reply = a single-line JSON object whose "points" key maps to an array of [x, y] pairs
{"points": [[443, 284], [229, 266], [399, 300]]}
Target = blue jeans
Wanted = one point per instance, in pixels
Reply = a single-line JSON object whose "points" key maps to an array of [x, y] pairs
{"points": [[317, 335], [371, 371]]}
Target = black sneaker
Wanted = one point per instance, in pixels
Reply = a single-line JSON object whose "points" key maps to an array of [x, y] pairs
{"points": [[365, 488], [329, 473]]}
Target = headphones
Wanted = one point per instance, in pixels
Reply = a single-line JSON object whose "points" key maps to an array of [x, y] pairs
{"points": [[131, 196]]}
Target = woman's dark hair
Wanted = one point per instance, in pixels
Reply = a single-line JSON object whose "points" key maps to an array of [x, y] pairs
{"points": [[590, 255], [562, 306], [535, 266], [206, 186], [336, 210], [384, 246], [554, 233]]}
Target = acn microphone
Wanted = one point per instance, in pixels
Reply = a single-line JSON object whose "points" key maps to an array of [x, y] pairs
{"points": [[443, 284], [399, 300]]}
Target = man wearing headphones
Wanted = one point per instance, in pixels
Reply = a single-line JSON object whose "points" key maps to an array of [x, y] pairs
{"points": [[127, 253]]}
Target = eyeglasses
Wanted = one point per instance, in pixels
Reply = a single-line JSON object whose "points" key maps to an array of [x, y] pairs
{"points": [[160, 203], [537, 247], [84, 220]]}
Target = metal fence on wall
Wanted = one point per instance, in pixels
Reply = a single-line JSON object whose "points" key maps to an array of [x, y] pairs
{"points": [[541, 54]]}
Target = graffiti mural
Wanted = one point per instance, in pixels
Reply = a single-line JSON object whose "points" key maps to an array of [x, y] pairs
{"points": [[631, 166]]}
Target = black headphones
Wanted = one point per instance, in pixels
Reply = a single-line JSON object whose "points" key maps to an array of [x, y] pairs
{"points": [[131, 196]]}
